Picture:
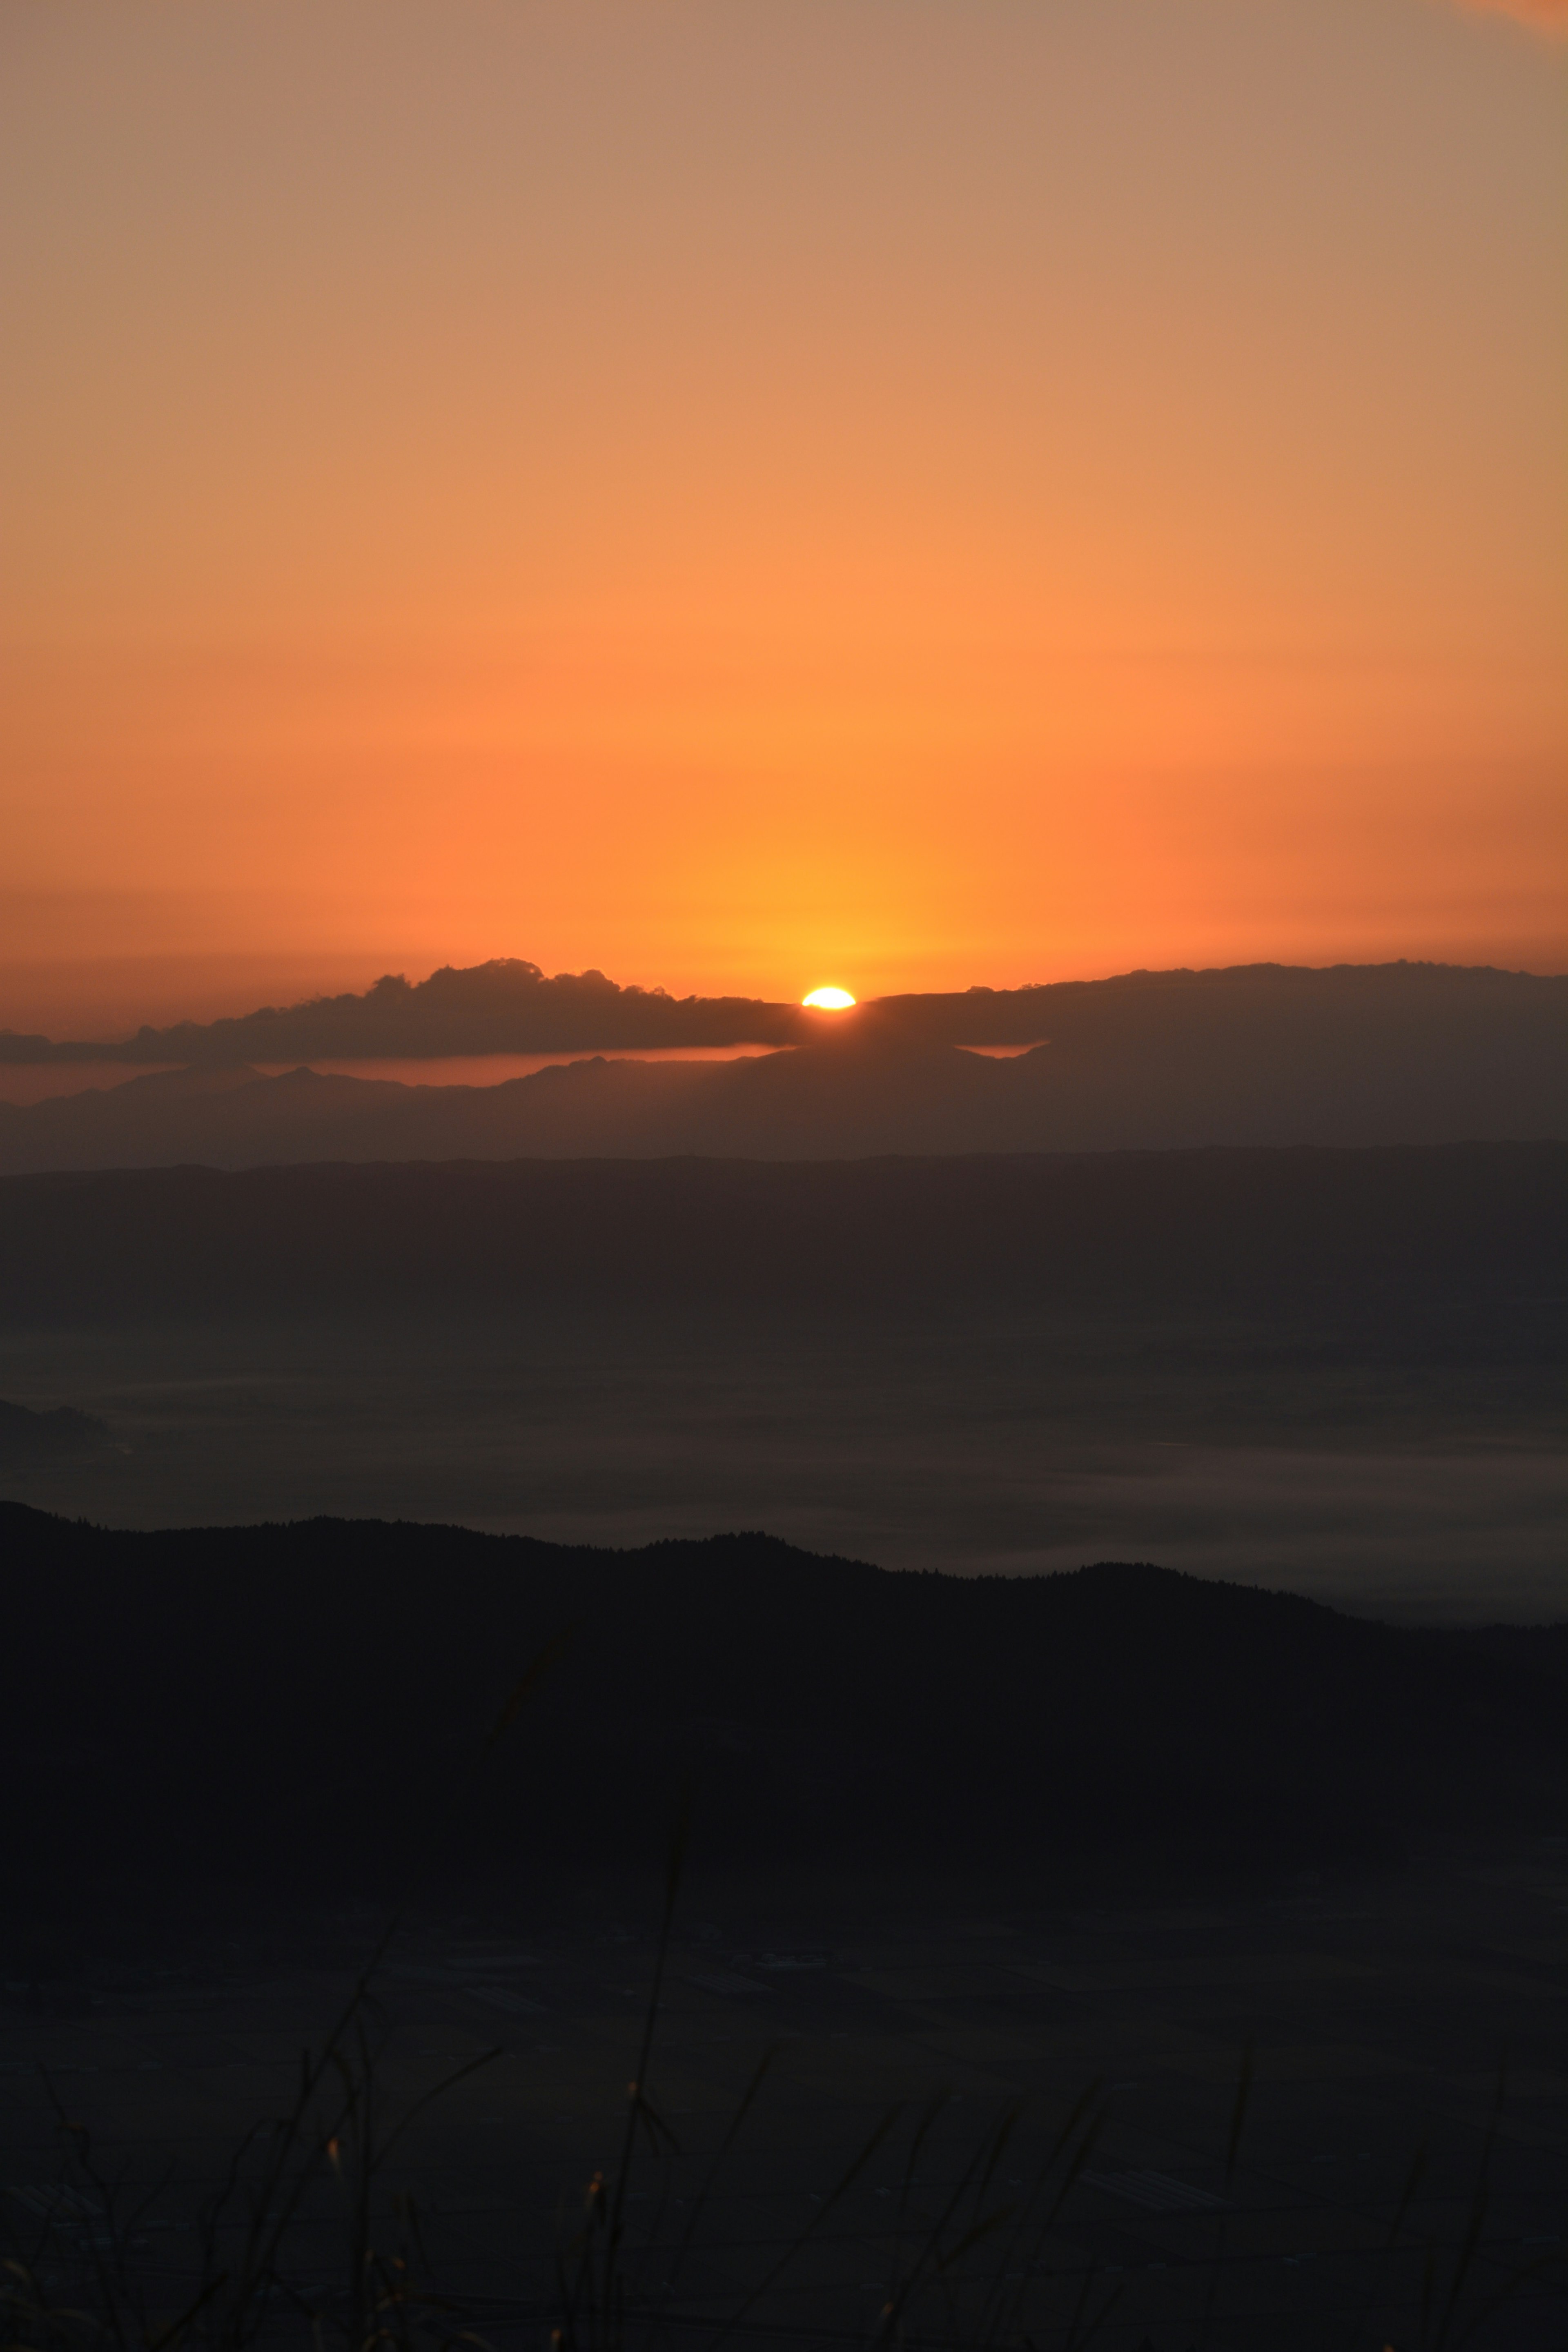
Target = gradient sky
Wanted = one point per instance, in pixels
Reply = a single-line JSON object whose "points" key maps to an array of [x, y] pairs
{"points": [[752, 492]]}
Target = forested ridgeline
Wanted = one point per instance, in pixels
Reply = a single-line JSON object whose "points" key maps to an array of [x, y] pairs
{"points": [[311, 1704]]}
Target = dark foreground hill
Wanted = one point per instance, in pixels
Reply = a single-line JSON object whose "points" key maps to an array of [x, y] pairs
{"points": [[299, 1705], [1476, 1227]]}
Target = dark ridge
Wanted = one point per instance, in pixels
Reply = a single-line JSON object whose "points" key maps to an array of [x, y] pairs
{"points": [[1541, 1649], [1301, 1006], [306, 1705], [1477, 1226]]}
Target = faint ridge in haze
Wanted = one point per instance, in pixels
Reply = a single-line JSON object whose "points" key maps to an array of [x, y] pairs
{"points": [[1469, 1226], [59, 1434]]}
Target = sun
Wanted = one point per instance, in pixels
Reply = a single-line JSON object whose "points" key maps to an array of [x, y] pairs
{"points": [[828, 1000]]}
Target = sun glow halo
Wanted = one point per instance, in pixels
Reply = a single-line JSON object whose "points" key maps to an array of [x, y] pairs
{"points": [[828, 1000]]}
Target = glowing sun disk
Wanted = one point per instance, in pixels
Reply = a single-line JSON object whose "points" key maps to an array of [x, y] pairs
{"points": [[828, 1000]]}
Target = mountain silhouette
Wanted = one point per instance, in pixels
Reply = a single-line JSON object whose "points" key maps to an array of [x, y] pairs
{"points": [[509, 1007], [1393, 1055], [308, 1701]]}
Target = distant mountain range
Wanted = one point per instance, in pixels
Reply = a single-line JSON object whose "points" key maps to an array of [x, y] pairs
{"points": [[311, 1702], [508, 1006], [1387, 1055]]}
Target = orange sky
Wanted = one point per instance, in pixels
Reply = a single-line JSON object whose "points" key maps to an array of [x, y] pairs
{"points": [[744, 494]]}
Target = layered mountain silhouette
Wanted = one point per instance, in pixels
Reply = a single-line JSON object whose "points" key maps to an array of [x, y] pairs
{"points": [[312, 1702], [1388, 1055]]}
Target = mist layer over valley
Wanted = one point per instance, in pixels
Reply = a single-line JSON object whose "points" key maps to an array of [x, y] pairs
{"points": [[1336, 1372]]}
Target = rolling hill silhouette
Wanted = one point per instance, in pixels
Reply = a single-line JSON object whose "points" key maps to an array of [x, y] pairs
{"points": [[305, 1701]]}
